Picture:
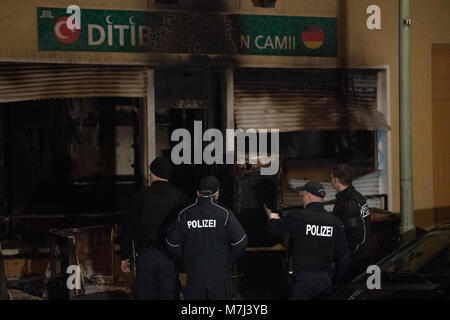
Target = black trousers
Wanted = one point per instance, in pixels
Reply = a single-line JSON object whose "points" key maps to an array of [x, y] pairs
{"points": [[207, 290], [309, 284], [156, 276]]}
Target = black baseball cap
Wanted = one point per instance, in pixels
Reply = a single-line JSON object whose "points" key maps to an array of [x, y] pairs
{"points": [[313, 187], [209, 186]]}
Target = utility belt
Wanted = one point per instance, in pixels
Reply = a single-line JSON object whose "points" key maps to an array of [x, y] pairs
{"points": [[311, 269], [297, 276], [294, 278], [298, 270]]}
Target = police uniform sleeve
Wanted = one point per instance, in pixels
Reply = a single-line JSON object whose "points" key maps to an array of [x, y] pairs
{"points": [[279, 227], [175, 238], [130, 227], [353, 223], [236, 236], [341, 251]]}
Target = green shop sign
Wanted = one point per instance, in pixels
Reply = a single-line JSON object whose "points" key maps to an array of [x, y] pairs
{"points": [[190, 33]]}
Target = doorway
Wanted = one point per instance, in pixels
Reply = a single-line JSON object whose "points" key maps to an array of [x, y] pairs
{"points": [[441, 132], [183, 96]]}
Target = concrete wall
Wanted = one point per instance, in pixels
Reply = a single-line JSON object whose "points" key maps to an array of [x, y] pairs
{"points": [[358, 47]]}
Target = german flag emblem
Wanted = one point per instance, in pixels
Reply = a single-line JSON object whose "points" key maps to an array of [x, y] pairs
{"points": [[313, 36]]}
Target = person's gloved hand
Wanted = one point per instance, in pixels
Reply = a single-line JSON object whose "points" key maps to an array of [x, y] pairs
{"points": [[270, 214]]}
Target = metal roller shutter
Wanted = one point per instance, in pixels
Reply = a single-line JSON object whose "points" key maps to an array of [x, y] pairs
{"points": [[307, 99], [21, 82]]}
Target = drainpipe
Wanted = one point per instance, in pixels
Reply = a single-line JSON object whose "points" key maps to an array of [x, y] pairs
{"points": [[407, 228]]}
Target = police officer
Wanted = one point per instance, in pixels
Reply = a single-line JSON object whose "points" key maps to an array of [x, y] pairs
{"points": [[317, 239], [208, 237], [147, 220], [351, 207]]}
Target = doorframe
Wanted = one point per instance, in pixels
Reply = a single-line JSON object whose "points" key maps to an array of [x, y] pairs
{"points": [[148, 131]]}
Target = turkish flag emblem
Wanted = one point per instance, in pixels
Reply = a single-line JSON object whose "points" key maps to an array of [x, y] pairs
{"points": [[63, 33]]}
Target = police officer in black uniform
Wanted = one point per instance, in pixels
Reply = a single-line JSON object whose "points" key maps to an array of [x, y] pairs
{"points": [[209, 238], [150, 214], [317, 239], [351, 207]]}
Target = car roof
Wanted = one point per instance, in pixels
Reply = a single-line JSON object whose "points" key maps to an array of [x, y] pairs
{"points": [[443, 227], [432, 232]]}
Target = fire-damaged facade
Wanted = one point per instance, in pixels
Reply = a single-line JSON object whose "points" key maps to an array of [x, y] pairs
{"points": [[82, 114]]}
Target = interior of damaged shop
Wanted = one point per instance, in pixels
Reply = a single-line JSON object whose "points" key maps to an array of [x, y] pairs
{"points": [[69, 167]]}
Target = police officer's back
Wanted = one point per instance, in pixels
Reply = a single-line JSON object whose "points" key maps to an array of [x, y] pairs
{"points": [[317, 240], [208, 237], [148, 217]]}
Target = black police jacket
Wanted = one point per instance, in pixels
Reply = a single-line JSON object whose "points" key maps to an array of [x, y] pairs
{"points": [[317, 239], [208, 237], [351, 207], [148, 217]]}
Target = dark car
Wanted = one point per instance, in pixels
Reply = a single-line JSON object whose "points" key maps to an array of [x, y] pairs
{"points": [[418, 270]]}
